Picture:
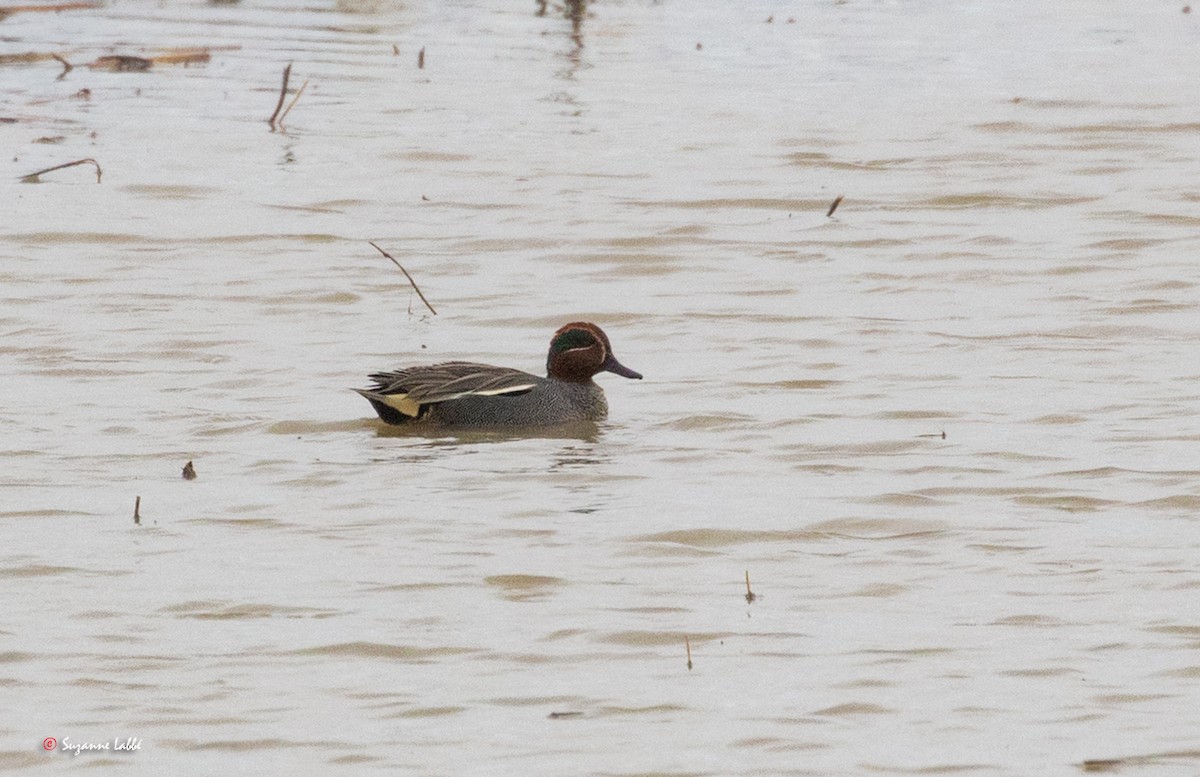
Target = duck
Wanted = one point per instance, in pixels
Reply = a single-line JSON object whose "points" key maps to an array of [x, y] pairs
{"points": [[467, 395]]}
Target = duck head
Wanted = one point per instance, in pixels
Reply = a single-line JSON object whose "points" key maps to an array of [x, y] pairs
{"points": [[580, 350]]}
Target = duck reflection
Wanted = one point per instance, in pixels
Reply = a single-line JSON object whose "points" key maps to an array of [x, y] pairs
{"points": [[584, 431], [575, 11]]}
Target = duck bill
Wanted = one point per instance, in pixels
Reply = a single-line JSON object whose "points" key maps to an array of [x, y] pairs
{"points": [[612, 365]]}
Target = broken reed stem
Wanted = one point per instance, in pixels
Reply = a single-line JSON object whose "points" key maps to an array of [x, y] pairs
{"points": [[688, 644], [288, 109], [835, 205], [750, 595], [406, 275], [33, 177], [137, 508], [287, 73]]}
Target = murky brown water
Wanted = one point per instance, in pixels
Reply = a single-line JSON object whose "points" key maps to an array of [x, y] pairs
{"points": [[950, 432]]}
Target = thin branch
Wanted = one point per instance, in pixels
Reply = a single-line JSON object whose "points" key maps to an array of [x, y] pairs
{"points": [[33, 177], [406, 275], [287, 72]]}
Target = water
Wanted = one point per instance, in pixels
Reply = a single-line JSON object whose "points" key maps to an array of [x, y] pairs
{"points": [[948, 432]]}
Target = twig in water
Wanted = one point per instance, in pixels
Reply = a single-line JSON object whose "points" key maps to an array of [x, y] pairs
{"points": [[833, 207], [137, 514], [750, 595], [406, 275], [34, 177], [287, 72], [688, 644], [288, 109], [67, 67]]}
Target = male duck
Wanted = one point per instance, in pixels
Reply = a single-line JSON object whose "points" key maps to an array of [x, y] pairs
{"points": [[466, 395]]}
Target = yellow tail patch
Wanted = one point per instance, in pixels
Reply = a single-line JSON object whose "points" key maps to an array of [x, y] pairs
{"points": [[402, 403]]}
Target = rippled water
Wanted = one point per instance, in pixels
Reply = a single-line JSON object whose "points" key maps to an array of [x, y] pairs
{"points": [[949, 432]]}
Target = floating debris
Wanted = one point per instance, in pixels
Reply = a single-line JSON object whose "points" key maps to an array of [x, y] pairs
{"points": [[688, 644], [421, 59], [36, 177], [137, 511], [12, 9], [835, 205], [117, 63], [67, 67], [189, 472], [122, 63], [127, 63], [1150, 759], [186, 56], [750, 595], [26, 58]]}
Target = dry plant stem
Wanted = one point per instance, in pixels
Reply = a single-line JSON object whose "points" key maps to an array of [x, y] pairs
{"points": [[406, 275], [288, 109], [835, 205], [32, 177], [287, 72], [688, 644], [137, 510], [750, 597]]}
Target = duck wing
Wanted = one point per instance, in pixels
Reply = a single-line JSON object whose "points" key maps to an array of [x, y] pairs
{"points": [[452, 380]]}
